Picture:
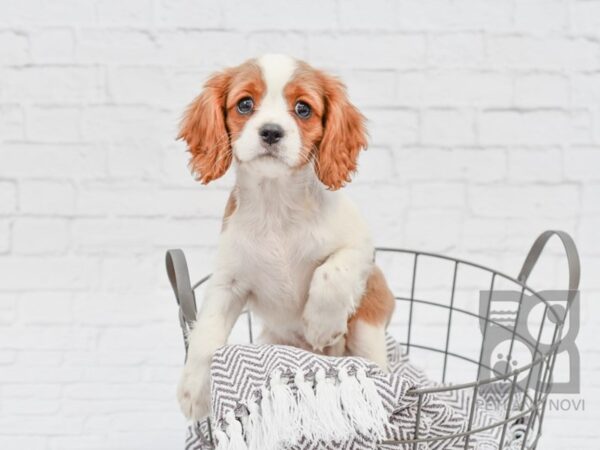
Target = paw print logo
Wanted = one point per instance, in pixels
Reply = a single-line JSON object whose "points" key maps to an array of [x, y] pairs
{"points": [[520, 328]]}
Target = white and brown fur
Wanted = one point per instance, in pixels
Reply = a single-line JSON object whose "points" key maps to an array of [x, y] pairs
{"points": [[293, 248]]}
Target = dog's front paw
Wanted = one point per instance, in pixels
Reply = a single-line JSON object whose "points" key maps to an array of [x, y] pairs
{"points": [[322, 331], [193, 391]]}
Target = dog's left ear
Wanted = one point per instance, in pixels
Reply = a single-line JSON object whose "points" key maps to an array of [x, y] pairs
{"points": [[343, 137], [204, 129]]}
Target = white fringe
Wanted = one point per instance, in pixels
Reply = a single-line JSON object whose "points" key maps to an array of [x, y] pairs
{"points": [[332, 411], [254, 436], [329, 410], [307, 407], [222, 440], [234, 429], [356, 408], [269, 434], [284, 407], [374, 403]]}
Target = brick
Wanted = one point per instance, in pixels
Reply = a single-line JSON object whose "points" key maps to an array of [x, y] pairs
{"points": [[5, 235], [106, 307], [40, 236], [188, 13], [468, 88], [32, 273], [112, 338], [393, 51], [43, 338], [586, 89], [42, 426], [7, 357], [384, 215], [130, 13], [60, 162], [135, 201], [473, 165], [114, 123], [69, 84], [100, 45], [52, 45], [374, 165], [382, 15], [46, 197], [423, 230], [519, 201], [18, 442], [392, 127], [41, 13], [82, 442], [137, 236], [437, 195], [12, 122], [588, 236], [145, 85], [447, 127], [126, 274], [241, 15], [590, 199], [549, 53], [101, 236], [8, 309], [135, 161], [456, 50], [53, 124], [27, 407], [581, 164], [541, 16], [8, 198], [278, 41], [368, 88], [539, 128], [433, 15], [585, 18], [40, 358], [483, 234], [541, 90], [194, 48], [14, 48], [535, 165]]}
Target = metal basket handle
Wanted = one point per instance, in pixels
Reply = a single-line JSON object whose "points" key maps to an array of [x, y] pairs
{"points": [[179, 276], [572, 259]]}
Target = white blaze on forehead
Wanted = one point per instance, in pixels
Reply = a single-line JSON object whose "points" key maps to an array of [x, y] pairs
{"points": [[277, 70]]}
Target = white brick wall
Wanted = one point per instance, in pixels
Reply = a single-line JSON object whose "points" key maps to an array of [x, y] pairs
{"points": [[485, 130]]}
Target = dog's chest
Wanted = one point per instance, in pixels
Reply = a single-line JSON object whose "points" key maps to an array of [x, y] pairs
{"points": [[276, 263]]}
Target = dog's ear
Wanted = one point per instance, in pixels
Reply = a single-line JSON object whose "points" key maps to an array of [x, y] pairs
{"points": [[204, 129], [344, 135]]}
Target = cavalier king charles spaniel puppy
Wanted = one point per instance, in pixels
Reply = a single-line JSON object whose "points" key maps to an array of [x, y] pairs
{"points": [[292, 248]]}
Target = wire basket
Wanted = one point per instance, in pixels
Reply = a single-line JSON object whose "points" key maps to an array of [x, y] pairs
{"points": [[473, 320]]}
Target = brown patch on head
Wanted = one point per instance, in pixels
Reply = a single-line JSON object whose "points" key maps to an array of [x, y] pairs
{"points": [[211, 123], [377, 303], [335, 132], [305, 86]]}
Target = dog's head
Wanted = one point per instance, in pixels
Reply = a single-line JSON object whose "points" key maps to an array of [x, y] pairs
{"points": [[274, 115]]}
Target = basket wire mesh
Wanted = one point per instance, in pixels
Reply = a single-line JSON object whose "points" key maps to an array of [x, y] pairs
{"points": [[526, 386]]}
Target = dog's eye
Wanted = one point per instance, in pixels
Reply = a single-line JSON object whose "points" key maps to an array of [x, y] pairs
{"points": [[245, 105], [302, 110]]}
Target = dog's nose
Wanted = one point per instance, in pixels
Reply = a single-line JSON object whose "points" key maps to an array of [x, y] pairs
{"points": [[270, 133]]}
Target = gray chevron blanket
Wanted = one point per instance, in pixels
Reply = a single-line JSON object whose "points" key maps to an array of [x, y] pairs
{"points": [[277, 397]]}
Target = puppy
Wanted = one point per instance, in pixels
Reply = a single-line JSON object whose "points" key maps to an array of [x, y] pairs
{"points": [[293, 248]]}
